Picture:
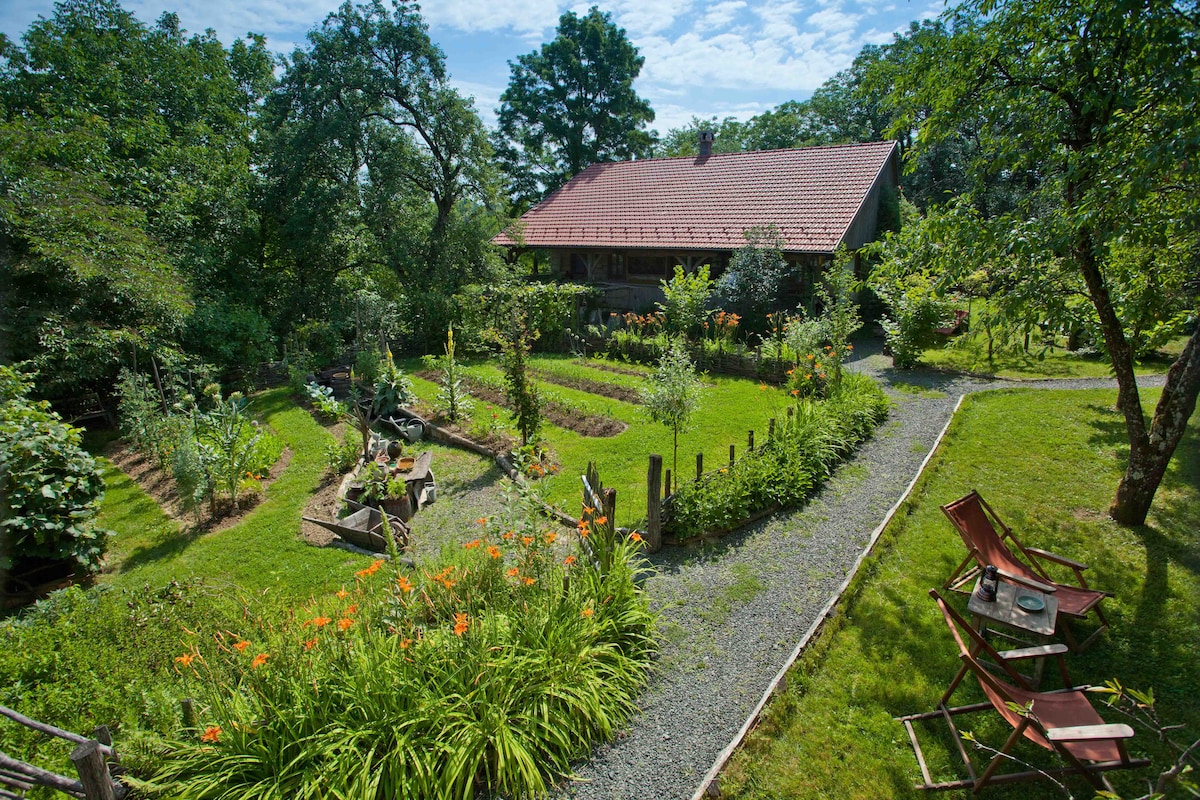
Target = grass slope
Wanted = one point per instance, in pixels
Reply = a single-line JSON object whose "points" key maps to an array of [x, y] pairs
{"points": [[1048, 462]]}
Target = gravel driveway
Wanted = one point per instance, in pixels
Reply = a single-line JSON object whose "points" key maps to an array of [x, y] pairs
{"points": [[731, 613]]}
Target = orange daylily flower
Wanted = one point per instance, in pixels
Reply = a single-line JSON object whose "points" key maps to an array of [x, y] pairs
{"points": [[471, 545], [550, 537], [494, 551], [482, 521], [186, 659], [319, 622], [527, 540], [509, 535], [212, 734], [635, 536], [342, 594], [344, 623], [241, 646], [405, 584], [795, 392], [460, 624], [258, 661], [762, 387], [405, 644], [512, 572], [310, 644], [351, 609], [529, 581], [569, 560], [587, 612], [601, 520]]}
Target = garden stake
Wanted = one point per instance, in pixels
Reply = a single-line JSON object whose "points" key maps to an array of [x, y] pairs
{"points": [[731, 451], [751, 444], [699, 465]]}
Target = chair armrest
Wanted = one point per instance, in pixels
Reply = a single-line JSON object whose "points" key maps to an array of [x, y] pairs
{"points": [[1080, 733], [1027, 582], [1056, 558], [1037, 651]]}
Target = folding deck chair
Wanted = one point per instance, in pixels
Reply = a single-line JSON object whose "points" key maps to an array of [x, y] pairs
{"points": [[976, 524], [1062, 721]]}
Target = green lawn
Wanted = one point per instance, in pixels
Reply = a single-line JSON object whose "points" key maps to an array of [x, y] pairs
{"points": [[262, 552], [969, 354], [731, 407], [1048, 462]]}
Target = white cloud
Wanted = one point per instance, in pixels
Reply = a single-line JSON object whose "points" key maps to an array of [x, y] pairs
{"points": [[532, 17], [720, 15], [648, 17]]}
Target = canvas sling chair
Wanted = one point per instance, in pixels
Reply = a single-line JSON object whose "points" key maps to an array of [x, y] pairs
{"points": [[1062, 721], [977, 524]]}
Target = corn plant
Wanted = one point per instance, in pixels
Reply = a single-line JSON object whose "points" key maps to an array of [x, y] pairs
{"points": [[226, 440]]}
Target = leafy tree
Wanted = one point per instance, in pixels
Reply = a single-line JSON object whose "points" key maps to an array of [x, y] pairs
{"points": [[754, 283], [673, 394], [572, 104], [686, 300], [1095, 97], [840, 311]]}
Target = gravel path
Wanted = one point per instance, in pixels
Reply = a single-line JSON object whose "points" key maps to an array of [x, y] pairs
{"points": [[731, 613]]}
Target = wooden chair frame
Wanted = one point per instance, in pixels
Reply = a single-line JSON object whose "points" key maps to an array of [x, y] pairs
{"points": [[1026, 569], [1028, 725]]}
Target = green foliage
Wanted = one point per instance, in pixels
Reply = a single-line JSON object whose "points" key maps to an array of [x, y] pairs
{"points": [[493, 668], [552, 310], [840, 312], [227, 441], [516, 340], [452, 397], [753, 284], [572, 104], [323, 401], [787, 469], [673, 394], [341, 456], [393, 389], [51, 487], [686, 303]]}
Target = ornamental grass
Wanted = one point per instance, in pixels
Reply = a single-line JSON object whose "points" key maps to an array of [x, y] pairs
{"points": [[491, 669]]}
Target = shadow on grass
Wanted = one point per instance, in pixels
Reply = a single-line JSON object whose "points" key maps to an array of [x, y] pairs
{"points": [[171, 547]]}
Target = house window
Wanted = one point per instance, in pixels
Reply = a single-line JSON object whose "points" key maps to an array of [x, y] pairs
{"points": [[579, 270], [643, 266], [616, 267]]}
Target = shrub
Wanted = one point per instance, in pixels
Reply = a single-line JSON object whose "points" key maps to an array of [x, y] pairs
{"points": [[673, 394], [515, 342], [227, 442], [787, 469], [686, 298], [341, 456], [50, 487], [490, 670]]}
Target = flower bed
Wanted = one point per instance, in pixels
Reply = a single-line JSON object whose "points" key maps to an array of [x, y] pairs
{"points": [[492, 668], [786, 470]]}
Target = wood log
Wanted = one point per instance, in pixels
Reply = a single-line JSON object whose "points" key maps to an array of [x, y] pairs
{"points": [[42, 727], [93, 771], [41, 777], [654, 504]]}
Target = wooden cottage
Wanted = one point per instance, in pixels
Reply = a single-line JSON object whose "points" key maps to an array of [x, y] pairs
{"points": [[624, 226]]}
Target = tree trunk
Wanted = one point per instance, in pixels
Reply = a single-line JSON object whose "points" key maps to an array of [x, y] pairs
{"points": [[1148, 464]]}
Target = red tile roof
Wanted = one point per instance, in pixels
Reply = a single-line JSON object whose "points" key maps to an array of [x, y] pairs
{"points": [[811, 194]]}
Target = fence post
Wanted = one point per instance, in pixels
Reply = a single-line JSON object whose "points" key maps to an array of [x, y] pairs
{"points": [[654, 505], [189, 713], [699, 465], [771, 429], [93, 771], [667, 485], [610, 511], [751, 446], [731, 455]]}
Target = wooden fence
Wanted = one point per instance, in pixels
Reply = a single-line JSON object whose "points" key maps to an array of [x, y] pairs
{"points": [[660, 488], [90, 758]]}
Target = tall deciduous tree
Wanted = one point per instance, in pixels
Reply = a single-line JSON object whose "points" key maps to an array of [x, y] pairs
{"points": [[1111, 90], [572, 104]]}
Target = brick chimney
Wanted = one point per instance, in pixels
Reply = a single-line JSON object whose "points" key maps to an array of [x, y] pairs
{"points": [[706, 143]]}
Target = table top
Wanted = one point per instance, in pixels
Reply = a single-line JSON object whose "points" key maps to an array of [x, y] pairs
{"points": [[1004, 609]]}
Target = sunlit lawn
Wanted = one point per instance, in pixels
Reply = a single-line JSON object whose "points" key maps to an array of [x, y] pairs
{"points": [[1048, 462], [968, 353]]}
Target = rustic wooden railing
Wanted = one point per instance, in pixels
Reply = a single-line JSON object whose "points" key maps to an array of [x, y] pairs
{"points": [[90, 758]]}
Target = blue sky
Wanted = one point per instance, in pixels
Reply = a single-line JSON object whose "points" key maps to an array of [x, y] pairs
{"points": [[721, 57]]}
